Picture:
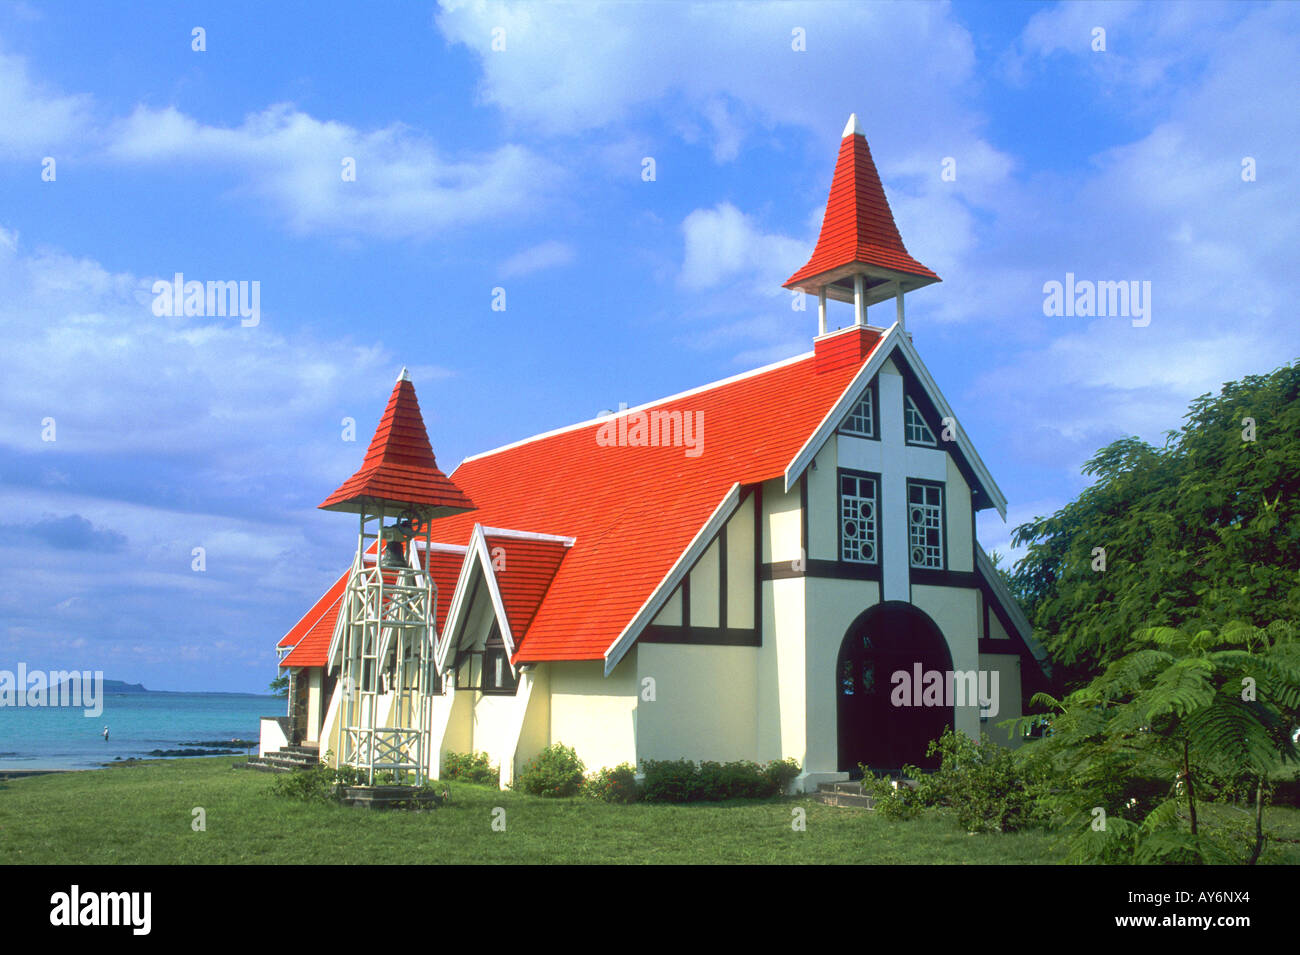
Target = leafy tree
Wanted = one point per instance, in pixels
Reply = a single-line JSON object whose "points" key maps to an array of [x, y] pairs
{"points": [[280, 685], [1142, 743], [1200, 532]]}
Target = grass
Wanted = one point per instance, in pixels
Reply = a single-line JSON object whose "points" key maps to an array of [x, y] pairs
{"points": [[143, 814]]}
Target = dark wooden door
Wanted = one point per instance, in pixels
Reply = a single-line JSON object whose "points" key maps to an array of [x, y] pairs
{"points": [[887, 639]]}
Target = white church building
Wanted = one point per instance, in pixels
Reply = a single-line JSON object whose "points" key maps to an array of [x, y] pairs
{"points": [[779, 564]]}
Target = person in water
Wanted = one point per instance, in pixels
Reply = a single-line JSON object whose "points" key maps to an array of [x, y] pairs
{"points": [[105, 734]]}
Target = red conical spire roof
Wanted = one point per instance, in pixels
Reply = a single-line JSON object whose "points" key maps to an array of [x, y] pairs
{"points": [[399, 469], [858, 228]]}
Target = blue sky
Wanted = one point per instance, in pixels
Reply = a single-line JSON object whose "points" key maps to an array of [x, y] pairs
{"points": [[521, 168]]}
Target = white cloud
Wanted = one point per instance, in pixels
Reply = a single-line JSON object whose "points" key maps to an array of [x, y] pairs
{"points": [[728, 70], [724, 246], [84, 347], [34, 120], [404, 186], [546, 255]]}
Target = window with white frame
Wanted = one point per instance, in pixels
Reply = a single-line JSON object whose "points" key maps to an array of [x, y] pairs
{"points": [[859, 527], [914, 426], [925, 524], [861, 421]]}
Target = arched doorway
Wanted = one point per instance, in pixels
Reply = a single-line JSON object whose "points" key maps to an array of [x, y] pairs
{"points": [[884, 640]]}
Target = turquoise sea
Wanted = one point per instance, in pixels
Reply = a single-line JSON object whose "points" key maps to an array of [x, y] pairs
{"points": [[63, 738]]}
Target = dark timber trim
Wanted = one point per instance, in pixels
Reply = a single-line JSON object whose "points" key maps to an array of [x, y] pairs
{"points": [[704, 636], [757, 494], [686, 597], [833, 569], [803, 515], [1013, 647], [945, 578], [722, 577]]}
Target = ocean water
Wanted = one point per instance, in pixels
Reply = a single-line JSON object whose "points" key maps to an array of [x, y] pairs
{"points": [[63, 738]]}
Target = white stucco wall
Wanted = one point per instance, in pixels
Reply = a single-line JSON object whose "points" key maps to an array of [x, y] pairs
{"points": [[595, 714], [956, 612], [832, 606], [705, 583], [705, 705], [314, 707], [740, 566], [1007, 665]]}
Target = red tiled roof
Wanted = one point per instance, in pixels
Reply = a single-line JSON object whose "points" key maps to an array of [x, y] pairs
{"points": [[331, 596], [858, 225], [311, 646], [399, 468], [524, 569], [632, 509], [314, 645]]}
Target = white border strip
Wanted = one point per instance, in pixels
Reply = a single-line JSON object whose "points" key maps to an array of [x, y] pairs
{"points": [[650, 404]]}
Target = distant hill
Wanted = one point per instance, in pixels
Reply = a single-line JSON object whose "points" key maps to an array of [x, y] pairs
{"points": [[117, 686], [110, 686]]}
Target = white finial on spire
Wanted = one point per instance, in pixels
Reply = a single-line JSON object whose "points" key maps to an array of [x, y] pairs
{"points": [[851, 128], [404, 375]]}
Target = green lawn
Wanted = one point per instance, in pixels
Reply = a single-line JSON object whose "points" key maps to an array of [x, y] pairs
{"points": [[143, 813]]}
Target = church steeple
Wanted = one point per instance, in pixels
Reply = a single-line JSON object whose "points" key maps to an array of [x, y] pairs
{"points": [[859, 256]]}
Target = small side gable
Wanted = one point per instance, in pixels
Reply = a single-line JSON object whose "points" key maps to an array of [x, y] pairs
{"points": [[512, 571]]}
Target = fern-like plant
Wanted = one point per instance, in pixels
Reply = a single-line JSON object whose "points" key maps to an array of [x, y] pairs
{"points": [[1133, 749]]}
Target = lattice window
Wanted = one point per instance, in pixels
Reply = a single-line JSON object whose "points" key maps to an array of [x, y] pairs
{"points": [[914, 426], [925, 524], [859, 527], [862, 419]]}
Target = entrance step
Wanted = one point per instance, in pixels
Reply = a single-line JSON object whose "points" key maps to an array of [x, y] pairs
{"points": [[844, 800], [285, 760]]}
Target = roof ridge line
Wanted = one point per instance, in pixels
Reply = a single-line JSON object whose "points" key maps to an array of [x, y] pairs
{"points": [[649, 404]]}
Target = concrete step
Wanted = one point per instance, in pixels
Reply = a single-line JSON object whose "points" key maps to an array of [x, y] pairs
{"points": [[844, 799], [281, 761], [261, 766], [852, 788]]}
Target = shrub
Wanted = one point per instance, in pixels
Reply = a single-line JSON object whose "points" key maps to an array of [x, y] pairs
{"points": [[889, 799], [613, 785], [470, 768], [681, 780], [316, 784], [985, 786], [670, 780], [780, 774], [556, 771]]}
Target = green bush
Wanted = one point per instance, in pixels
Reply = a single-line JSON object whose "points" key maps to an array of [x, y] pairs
{"points": [[983, 783], [780, 774], [889, 799], [470, 768], [613, 785], [316, 784], [681, 780], [670, 780], [556, 771]]}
